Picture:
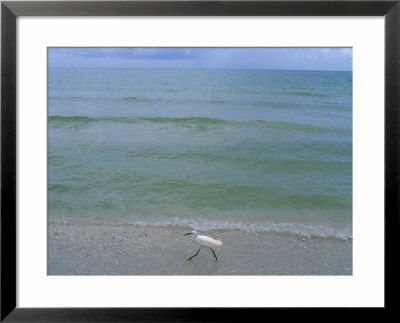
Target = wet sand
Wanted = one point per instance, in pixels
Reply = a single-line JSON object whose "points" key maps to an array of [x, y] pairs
{"points": [[144, 250]]}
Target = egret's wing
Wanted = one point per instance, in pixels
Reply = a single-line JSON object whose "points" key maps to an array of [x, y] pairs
{"points": [[208, 242]]}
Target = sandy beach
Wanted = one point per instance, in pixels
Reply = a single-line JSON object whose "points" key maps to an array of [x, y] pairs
{"points": [[145, 250]]}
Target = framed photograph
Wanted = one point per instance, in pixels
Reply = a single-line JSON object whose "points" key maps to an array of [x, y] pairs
{"points": [[197, 157]]}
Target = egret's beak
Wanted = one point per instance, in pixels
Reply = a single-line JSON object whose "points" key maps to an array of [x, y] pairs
{"points": [[187, 234]]}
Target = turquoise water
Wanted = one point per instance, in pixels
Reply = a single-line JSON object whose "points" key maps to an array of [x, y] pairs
{"points": [[254, 150]]}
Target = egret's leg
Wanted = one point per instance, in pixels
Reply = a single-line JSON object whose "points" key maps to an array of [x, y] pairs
{"points": [[195, 254], [216, 259]]}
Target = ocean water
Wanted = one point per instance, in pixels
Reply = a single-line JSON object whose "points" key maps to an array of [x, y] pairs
{"points": [[254, 150]]}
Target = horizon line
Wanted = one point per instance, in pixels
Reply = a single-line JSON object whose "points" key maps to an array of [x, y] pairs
{"points": [[191, 68]]}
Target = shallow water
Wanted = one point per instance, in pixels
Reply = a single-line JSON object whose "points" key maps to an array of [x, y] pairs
{"points": [[253, 150]]}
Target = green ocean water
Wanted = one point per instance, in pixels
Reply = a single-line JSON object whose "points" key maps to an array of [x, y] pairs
{"points": [[253, 150]]}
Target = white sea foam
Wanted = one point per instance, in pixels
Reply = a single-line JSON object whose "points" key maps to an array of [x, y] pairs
{"points": [[307, 231]]}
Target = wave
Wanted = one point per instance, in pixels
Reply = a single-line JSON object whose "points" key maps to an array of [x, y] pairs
{"points": [[84, 119], [316, 95], [275, 104], [202, 225], [224, 196], [295, 126], [211, 100], [200, 121], [275, 165], [327, 106], [302, 230], [285, 165], [76, 98], [57, 188], [71, 119], [196, 194], [138, 99]]}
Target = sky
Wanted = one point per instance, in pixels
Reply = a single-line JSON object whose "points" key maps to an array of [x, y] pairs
{"points": [[325, 59]]}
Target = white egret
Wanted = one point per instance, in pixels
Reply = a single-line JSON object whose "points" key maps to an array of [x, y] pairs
{"points": [[204, 241]]}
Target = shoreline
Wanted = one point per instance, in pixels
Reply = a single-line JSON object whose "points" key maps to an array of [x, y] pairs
{"points": [[146, 250]]}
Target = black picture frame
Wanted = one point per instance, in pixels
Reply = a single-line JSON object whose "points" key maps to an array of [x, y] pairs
{"points": [[10, 10]]}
